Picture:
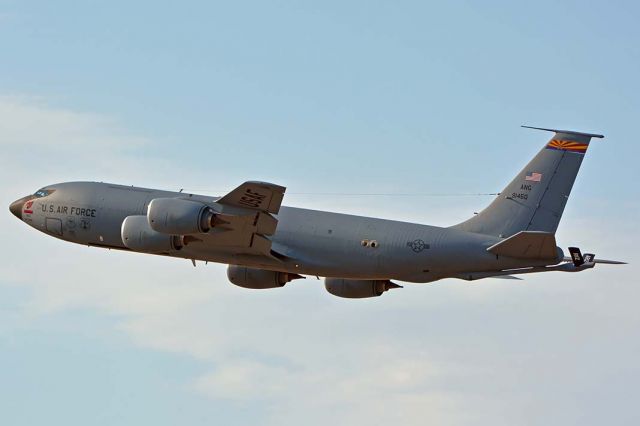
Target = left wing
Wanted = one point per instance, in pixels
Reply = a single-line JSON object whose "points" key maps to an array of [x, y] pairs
{"points": [[246, 219], [253, 195]]}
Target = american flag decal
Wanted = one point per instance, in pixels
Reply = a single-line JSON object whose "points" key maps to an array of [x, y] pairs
{"points": [[571, 146], [533, 177]]}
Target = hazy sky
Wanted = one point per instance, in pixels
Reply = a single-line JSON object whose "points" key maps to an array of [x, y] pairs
{"points": [[321, 97]]}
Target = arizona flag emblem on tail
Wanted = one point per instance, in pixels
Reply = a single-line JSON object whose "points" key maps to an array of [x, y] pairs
{"points": [[571, 146]]}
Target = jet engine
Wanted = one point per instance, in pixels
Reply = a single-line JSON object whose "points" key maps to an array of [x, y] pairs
{"points": [[137, 235], [357, 289], [177, 216], [258, 278]]}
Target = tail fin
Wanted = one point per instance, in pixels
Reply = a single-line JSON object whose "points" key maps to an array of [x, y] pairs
{"points": [[535, 198]]}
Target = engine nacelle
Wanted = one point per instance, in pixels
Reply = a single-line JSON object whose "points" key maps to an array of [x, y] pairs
{"points": [[357, 289], [137, 235], [258, 278], [177, 216]]}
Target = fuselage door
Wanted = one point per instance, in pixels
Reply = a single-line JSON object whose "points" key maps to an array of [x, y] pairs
{"points": [[53, 226]]}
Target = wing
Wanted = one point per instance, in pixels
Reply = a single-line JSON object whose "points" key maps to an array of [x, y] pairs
{"points": [[262, 196], [245, 220]]}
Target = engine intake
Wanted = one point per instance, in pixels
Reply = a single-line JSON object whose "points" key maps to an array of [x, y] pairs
{"points": [[137, 235], [177, 216], [358, 289], [254, 278]]}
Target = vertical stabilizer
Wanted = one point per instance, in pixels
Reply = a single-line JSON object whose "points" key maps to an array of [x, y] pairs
{"points": [[535, 198]]}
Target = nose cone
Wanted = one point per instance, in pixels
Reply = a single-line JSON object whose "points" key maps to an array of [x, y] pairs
{"points": [[16, 208]]}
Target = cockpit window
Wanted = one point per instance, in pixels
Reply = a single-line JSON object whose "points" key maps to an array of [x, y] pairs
{"points": [[43, 192]]}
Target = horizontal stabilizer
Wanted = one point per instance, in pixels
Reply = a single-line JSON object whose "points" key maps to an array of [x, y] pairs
{"points": [[527, 245]]}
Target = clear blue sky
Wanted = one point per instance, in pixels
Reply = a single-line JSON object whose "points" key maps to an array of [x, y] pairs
{"points": [[322, 97]]}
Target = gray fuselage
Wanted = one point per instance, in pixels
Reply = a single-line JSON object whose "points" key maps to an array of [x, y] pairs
{"points": [[310, 242]]}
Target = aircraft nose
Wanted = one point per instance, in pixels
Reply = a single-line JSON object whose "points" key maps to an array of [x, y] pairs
{"points": [[16, 208]]}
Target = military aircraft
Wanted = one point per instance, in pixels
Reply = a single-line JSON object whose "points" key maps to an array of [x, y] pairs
{"points": [[268, 245]]}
